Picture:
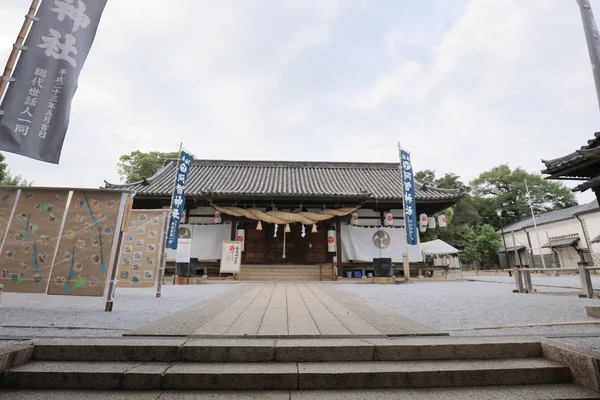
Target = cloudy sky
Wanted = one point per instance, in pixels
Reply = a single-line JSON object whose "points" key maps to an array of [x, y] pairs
{"points": [[465, 85]]}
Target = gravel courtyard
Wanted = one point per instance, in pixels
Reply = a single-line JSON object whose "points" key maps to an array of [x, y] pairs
{"points": [[456, 306]]}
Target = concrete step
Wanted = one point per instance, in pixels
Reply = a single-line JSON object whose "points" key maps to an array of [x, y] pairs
{"points": [[294, 350], [281, 375], [522, 392]]}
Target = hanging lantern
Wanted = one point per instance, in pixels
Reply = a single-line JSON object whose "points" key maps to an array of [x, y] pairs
{"points": [[422, 228], [331, 246], [287, 228], [259, 226], [432, 223], [423, 221], [442, 221], [241, 237], [314, 228], [354, 219], [217, 217], [388, 219]]}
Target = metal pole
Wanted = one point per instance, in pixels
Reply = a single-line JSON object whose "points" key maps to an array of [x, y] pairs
{"points": [[503, 239], [405, 260], [537, 232], [163, 258], [170, 212], [12, 58]]}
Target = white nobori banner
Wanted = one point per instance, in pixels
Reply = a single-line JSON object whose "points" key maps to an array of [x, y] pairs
{"points": [[365, 244]]}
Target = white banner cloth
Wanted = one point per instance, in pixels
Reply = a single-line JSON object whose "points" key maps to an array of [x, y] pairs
{"points": [[365, 244]]}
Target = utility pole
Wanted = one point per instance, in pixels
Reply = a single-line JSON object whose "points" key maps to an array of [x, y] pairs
{"points": [[499, 213], [537, 232]]}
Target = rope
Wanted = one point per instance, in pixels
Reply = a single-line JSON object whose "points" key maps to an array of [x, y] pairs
{"points": [[283, 217]]}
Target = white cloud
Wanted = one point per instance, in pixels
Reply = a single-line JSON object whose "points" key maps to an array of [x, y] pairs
{"points": [[465, 84]]}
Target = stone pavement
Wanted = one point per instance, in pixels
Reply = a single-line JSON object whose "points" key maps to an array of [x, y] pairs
{"points": [[277, 310]]}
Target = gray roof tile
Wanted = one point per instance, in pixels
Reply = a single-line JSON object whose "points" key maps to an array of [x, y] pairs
{"points": [[552, 216], [286, 178], [575, 157]]}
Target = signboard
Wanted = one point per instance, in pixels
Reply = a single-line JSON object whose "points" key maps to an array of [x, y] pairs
{"points": [[178, 202], [84, 252], [231, 257], [408, 196], [142, 247], [31, 239], [38, 103], [184, 251]]}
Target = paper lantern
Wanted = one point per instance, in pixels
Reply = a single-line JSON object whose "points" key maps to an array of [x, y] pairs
{"points": [[354, 219], [217, 217], [314, 228], [432, 223], [259, 226], [422, 221], [331, 245], [388, 219], [241, 237], [442, 221], [422, 228]]}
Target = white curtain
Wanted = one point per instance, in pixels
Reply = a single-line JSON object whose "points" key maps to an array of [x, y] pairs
{"points": [[365, 244], [207, 241]]}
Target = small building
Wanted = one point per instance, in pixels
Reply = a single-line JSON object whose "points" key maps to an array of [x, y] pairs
{"points": [[566, 237], [232, 188]]}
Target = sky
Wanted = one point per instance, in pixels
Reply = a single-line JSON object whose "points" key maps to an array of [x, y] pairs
{"points": [[464, 85]]}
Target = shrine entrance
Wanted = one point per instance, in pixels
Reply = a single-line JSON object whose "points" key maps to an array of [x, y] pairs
{"points": [[263, 247]]}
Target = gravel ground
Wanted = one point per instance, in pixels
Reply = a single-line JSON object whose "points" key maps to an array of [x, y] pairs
{"points": [[132, 307], [464, 305], [541, 281]]}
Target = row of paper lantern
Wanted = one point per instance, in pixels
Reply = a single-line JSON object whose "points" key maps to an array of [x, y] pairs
{"points": [[424, 221]]}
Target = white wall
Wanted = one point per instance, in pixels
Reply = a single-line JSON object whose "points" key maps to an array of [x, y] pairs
{"points": [[568, 257]]}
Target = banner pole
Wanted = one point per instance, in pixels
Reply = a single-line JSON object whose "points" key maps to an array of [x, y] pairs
{"points": [[169, 218], [124, 212], [163, 258], [405, 260], [12, 58]]}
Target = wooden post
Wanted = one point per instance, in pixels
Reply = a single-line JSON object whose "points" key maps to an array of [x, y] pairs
{"points": [[12, 58], [338, 241]]}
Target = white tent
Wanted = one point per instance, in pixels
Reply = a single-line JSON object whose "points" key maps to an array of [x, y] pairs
{"points": [[438, 248]]}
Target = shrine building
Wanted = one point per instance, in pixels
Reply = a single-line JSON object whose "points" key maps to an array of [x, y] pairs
{"points": [[336, 208]]}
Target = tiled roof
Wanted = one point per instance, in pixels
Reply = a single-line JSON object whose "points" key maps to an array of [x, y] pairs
{"points": [[596, 239], [553, 216], [287, 179], [562, 242], [592, 183], [592, 149]]}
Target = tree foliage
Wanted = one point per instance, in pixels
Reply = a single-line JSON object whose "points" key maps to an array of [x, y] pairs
{"points": [[474, 220], [138, 165], [504, 188], [7, 178], [481, 244]]}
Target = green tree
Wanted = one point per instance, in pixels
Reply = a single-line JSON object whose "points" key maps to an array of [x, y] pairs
{"points": [[7, 178], [426, 177], [504, 188], [481, 244], [138, 165], [449, 181]]}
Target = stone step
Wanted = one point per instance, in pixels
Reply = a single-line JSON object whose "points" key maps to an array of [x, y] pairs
{"points": [[522, 392], [295, 350], [282, 376]]}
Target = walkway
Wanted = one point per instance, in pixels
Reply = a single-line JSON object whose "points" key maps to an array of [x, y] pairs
{"points": [[277, 310]]}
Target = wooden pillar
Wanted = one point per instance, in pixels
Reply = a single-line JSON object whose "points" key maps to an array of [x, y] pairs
{"points": [[338, 241], [233, 229]]}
